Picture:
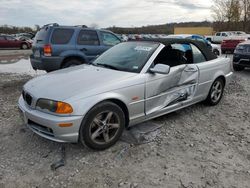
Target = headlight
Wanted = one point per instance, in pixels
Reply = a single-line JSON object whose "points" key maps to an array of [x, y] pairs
{"points": [[54, 106]]}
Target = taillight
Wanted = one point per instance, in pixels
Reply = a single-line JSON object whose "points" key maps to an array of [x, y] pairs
{"points": [[47, 50]]}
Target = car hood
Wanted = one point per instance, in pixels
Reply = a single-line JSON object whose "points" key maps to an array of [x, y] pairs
{"points": [[85, 80]]}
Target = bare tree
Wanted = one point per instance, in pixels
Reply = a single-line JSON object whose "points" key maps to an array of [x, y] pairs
{"points": [[228, 11], [218, 9], [246, 13]]}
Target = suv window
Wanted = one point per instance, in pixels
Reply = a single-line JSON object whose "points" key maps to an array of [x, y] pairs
{"points": [[2, 38], [88, 37], [109, 39], [41, 35], [218, 34], [198, 57], [61, 36]]}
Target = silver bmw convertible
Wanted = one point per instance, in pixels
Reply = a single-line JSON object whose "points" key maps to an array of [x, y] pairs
{"points": [[131, 83]]}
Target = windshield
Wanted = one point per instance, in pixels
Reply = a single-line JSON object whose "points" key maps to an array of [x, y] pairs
{"points": [[128, 56]]}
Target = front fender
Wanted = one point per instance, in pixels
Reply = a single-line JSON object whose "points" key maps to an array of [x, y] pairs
{"points": [[82, 106], [132, 97]]}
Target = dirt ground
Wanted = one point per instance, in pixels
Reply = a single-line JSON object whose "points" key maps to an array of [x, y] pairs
{"points": [[199, 146]]}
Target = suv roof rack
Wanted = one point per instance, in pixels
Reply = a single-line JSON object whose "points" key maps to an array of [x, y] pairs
{"points": [[83, 26], [51, 24]]}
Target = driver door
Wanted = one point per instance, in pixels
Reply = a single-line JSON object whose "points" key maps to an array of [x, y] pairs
{"points": [[164, 92]]}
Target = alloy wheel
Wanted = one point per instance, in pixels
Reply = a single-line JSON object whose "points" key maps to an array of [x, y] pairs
{"points": [[104, 127], [216, 92]]}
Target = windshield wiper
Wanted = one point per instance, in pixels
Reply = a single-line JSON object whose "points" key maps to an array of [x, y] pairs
{"points": [[107, 66]]}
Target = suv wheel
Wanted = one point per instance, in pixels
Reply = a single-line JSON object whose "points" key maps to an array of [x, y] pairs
{"points": [[71, 63], [102, 126], [216, 52], [238, 68], [216, 92], [24, 46]]}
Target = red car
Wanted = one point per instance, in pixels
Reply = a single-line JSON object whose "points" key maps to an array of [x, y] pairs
{"points": [[11, 42], [229, 45]]}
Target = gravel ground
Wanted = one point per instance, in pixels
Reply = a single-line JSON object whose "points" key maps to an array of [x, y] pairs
{"points": [[199, 146]]}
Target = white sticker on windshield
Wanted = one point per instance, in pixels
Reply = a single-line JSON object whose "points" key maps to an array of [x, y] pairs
{"points": [[143, 48]]}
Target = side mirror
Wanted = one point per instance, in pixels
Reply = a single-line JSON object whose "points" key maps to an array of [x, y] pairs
{"points": [[160, 69]]}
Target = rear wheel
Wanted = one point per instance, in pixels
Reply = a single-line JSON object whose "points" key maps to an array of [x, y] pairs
{"points": [[216, 92], [102, 126], [24, 46], [238, 68], [71, 63]]}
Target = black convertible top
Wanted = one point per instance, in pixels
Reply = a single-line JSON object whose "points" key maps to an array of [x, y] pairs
{"points": [[209, 55]]}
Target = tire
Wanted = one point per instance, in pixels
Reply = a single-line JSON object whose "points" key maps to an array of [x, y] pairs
{"points": [[216, 52], [97, 125], [24, 46], [238, 68], [216, 92], [223, 51], [71, 63]]}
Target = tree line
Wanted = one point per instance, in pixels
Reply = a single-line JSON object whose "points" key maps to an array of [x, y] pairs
{"points": [[7, 29], [231, 14]]}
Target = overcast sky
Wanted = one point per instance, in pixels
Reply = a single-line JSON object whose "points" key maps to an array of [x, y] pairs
{"points": [[104, 13]]}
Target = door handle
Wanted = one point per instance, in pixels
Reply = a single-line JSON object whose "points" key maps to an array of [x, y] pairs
{"points": [[190, 70], [84, 49]]}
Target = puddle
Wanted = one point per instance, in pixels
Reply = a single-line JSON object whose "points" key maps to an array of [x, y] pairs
{"points": [[18, 65]]}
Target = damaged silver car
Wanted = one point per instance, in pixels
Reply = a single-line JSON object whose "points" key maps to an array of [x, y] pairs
{"points": [[130, 83]]}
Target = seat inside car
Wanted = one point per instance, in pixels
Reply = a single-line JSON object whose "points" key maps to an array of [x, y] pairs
{"points": [[171, 57]]}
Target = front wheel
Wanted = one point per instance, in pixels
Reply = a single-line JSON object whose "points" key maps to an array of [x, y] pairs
{"points": [[216, 92], [102, 127]]}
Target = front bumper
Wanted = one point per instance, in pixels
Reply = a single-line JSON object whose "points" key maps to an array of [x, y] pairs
{"points": [[46, 125], [241, 60]]}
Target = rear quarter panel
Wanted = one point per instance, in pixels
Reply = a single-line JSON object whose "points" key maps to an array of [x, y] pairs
{"points": [[209, 71]]}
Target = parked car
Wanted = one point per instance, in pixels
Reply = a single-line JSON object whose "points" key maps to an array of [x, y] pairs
{"points": [[219, 37], [123, 37], [57, 47], [11, 42], [214, 47], [229, 45], [28, 35], [229, 35], [241, 58], [23, 38], [130, 83]]}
